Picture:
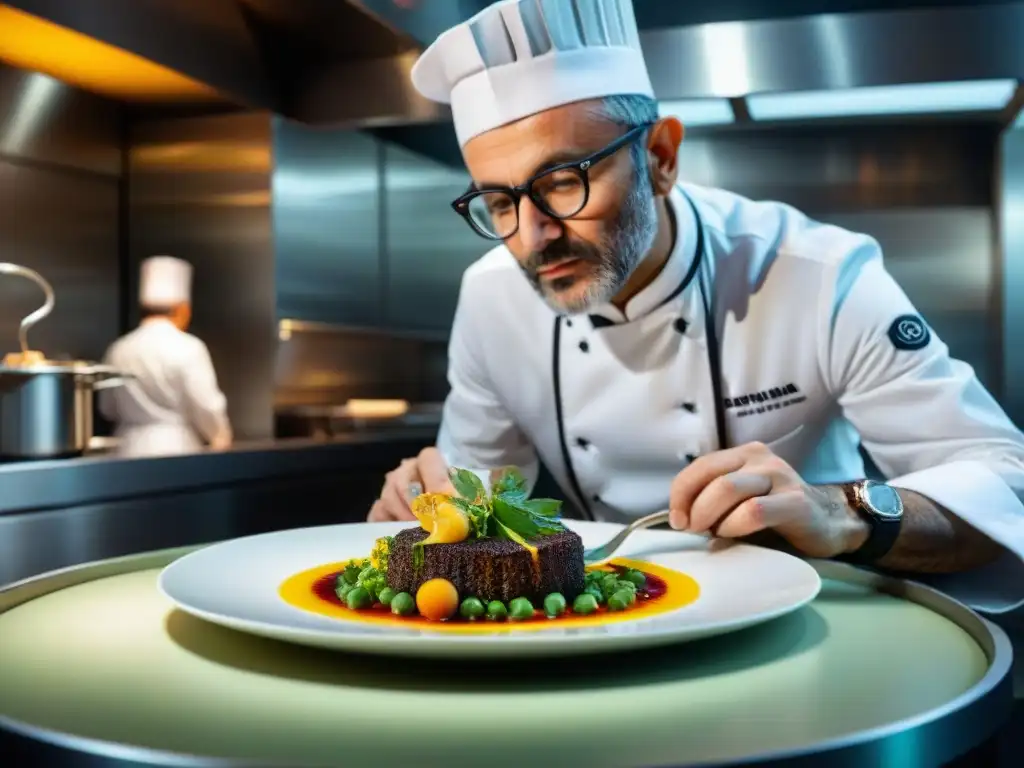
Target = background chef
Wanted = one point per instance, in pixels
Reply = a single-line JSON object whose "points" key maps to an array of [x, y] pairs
{"points": [[174, 405], [665, 345]]}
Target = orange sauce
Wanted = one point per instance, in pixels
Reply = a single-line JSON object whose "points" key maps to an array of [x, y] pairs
{"points": [[666, 590]]}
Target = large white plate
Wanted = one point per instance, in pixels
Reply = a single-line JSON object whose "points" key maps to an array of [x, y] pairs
{"points": [[235, 584]]}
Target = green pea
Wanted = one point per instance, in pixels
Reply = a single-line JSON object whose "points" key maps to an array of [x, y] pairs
{"points": [[472, 608], [520, 609], [359, 598], [386, 595], [635, 577], [609, 587], [596, 593], [584, 604], [629, 586], [343, 589], [402, 604], [620, 601], [554, 605], [496, 610]]}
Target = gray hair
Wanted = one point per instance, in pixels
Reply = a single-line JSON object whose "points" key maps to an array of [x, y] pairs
{"points": [[630, 112]]}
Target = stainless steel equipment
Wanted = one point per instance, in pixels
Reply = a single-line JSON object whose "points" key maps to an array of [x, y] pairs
{"points": [[330, 421], [46, 406]]}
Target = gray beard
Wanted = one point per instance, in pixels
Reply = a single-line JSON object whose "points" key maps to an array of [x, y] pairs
{"points": [[612, 262]]}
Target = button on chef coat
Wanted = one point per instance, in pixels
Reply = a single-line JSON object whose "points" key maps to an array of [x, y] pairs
{"points": [[174, 404], [820, 351]]}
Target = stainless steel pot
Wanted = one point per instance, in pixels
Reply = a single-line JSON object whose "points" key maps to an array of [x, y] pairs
{"points": [[46, 410], [46, 406]]}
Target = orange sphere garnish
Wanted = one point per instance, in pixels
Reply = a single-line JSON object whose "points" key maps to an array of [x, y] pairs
{"points": [[437, 599]]}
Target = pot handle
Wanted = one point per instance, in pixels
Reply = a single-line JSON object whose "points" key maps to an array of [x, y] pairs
{"points": [[113, 381], [6, 268]]}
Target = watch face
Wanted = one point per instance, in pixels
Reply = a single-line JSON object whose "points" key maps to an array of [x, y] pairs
{"points": [[883, 500]]}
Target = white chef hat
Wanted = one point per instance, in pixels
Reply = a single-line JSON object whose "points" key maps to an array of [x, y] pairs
{"points": [[164, 282], [519, 57]]}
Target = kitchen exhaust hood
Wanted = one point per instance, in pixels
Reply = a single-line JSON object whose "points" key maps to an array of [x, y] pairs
{"points": [[888, 100], [704, 69], [347, 62], [251, 53], [31, 43]]}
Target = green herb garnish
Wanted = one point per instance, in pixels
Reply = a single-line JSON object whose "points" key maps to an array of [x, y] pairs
{"points": [[506, 512]]}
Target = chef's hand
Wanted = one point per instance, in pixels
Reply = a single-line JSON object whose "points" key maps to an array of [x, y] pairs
{"points": [[741, 491], [427, 473]]}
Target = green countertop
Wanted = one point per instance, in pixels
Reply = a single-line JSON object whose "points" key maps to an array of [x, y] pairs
{"points": [[110, 659]]}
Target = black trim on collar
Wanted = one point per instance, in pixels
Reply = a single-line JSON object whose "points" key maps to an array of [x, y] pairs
{"points": [[600, 321]]}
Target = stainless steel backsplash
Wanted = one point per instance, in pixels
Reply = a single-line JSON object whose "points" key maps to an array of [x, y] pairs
{"points": [[60, 176], [200, 190], [323, 365]]}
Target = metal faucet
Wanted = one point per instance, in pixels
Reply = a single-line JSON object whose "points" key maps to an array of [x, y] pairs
{"points": [[6, 268]]}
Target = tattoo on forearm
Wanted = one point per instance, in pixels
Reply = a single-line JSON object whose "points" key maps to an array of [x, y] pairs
{"points": [[934, 540]]}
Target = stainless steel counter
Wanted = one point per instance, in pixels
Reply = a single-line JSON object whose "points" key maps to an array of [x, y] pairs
{"points": [[54, 514], [40, 485]]}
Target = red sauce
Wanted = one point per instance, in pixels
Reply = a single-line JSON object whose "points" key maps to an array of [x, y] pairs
{"points": [[653, 589]]}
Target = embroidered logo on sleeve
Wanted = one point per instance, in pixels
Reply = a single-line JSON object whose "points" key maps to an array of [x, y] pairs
{"points": [[909, 332]]}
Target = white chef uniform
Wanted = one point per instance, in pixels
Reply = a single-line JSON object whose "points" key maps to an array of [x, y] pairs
{"points": [[819, 349], [174, 403]]}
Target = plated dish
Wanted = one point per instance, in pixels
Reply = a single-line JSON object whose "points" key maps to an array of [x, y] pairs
{"points": [[482, 555], [473, 579]]}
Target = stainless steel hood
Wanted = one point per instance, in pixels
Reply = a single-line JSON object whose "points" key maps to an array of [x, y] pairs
{"points": [[255, 53], [347, 62], [695, 53], [424, 20]]}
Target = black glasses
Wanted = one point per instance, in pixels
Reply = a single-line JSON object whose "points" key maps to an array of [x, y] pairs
{"points": [[561, 192]]}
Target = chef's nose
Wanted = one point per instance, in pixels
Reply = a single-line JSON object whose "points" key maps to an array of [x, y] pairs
{"points": [[536, 229]]}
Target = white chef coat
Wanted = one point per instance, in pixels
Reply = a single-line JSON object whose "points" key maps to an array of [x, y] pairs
{"points": [[174, 403], [820, 350]]}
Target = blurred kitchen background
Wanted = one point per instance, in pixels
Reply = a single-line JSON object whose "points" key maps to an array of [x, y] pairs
{"points": [[278, 146]]}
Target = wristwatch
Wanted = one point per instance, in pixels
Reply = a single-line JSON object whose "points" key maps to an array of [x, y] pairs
{"points": [[881, 507]]}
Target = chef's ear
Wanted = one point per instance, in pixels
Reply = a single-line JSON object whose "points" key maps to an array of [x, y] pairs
{"points": [[662, 153]]}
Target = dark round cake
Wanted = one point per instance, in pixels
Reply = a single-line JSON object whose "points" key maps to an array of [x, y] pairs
{"points": [[491, 569]]}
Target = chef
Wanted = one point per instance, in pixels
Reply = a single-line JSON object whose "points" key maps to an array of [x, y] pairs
{"points": [[663, 345], [173, 404]]}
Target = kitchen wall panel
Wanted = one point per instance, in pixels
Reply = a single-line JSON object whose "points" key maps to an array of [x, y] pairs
{"points": [[327, 229], [60, 167], [65, 226], [1010, 204], [199, 189], [428, 245], [325, 365], [44, 120]]}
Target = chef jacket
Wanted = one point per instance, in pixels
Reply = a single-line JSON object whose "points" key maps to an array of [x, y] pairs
{"points": [[820, 351], [174, 403]]}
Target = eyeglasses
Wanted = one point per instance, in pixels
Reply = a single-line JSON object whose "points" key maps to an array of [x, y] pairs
{"points": [[561, 192]]}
